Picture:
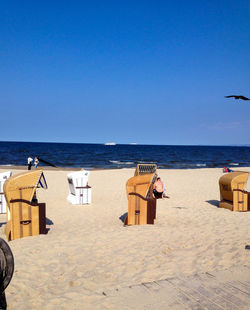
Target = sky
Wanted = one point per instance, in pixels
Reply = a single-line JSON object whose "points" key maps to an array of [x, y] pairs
{"points": [[146, 72]]}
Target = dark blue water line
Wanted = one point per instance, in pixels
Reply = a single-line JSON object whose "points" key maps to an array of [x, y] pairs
{"points": [[124, 156]]}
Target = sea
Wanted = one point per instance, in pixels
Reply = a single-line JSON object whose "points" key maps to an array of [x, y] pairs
{"points": [[113, 156]]}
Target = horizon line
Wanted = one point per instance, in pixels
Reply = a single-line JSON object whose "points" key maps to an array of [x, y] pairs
{"points": [[131, 143]]}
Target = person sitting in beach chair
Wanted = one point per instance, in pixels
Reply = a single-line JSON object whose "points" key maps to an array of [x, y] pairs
{"points": [[158, 188]]}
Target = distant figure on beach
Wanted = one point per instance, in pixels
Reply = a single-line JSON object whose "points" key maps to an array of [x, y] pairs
{"points": [[36, 162], [158, 188], [226, 169], [30, 160]]}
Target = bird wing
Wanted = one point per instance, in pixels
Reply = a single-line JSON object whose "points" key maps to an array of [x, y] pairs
{"points": [[244, 98], [230, 96]]}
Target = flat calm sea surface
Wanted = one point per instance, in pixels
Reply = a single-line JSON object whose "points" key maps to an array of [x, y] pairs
{"points": [[124, 156]]}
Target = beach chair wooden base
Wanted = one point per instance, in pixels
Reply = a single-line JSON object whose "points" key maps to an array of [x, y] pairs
{"points": [[240, 203], [82, 196], [141, 211], [27, 219], [226, 205]]}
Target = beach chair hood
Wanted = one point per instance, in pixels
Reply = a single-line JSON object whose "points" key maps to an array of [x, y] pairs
{"points": [[139, 184], [232, 181], [24, 185]]}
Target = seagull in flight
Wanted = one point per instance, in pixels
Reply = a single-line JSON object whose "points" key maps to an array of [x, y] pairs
{"points": [[236, 97]]}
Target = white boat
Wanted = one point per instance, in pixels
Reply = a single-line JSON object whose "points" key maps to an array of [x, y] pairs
{"points": [[110, 143]]}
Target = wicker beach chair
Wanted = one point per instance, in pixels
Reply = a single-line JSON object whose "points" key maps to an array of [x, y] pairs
{"points": [[141, 203], [80, 191], [3, 177], [233, 195], [25, 216]]}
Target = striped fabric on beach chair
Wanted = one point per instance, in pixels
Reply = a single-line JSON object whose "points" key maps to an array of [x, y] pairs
{"points": [[145, 169]]}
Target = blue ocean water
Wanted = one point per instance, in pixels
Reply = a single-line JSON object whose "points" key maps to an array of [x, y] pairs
{"points": [[102, 156]]}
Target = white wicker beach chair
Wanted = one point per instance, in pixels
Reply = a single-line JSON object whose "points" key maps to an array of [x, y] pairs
{"points": [[80, 191], [3, 177]]}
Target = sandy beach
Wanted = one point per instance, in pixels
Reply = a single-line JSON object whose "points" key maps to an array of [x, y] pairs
{"points": [[87, 250]]}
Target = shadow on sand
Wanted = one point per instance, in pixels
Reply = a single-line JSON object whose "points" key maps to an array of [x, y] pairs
{"points": [[2, 223], [213, 203], [48, 222], [123, 217]]}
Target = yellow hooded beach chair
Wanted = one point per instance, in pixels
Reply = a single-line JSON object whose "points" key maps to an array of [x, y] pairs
{"points": [[233, 195], [25, 216], [141, 203]]}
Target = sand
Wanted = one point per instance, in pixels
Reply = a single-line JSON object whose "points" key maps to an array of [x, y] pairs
{"points": [[88, 250]]}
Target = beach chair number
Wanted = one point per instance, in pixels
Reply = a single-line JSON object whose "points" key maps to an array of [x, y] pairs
{"points": [[25, 222]]}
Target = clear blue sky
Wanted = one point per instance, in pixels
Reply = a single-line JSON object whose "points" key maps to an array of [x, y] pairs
{"points": [[150, 72]]}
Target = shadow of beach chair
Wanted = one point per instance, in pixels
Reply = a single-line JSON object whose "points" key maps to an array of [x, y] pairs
{"points": [[3, 177], [80, 191], [141, 203], [25, 216], [232, 193]]}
